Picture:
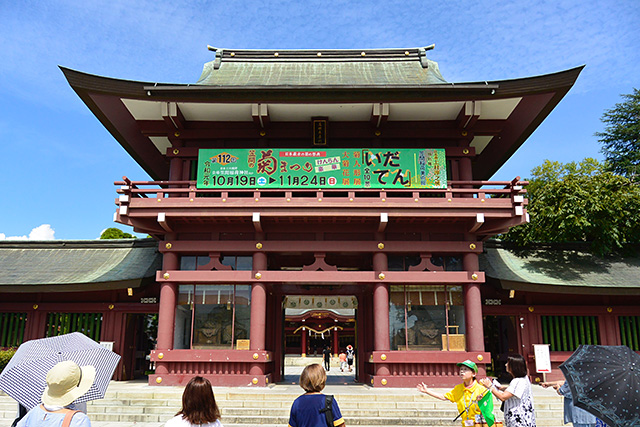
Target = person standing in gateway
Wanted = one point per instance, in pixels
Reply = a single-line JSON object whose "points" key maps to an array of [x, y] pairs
{"points": [[326, 356], [350, 354]]}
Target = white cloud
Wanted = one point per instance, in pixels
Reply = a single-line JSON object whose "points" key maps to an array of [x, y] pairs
{"points": [[4, 237], [42, 232]]}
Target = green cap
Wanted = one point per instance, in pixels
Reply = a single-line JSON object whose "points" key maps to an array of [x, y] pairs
{"points": [[469, 364]]}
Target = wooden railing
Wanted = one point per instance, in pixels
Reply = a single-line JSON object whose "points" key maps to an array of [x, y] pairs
{"points": [[455, 189]]}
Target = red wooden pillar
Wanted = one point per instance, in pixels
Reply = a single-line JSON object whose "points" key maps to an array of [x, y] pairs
{"points": [[168, 290], [175, 173], [363, 334], [257, 331], [473, 306], [336, 347], [381, 340], [380, 305], [119, 345], [109, 331], [472, 296], [277, 336], [303, 342], [258, 305], [167, 309], [464, 169], [608, 326], [36, 324], [381, 316], [112, 329]]}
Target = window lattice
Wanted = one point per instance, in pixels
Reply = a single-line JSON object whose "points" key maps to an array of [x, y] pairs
{"points": [[12, 327], [65, 323], [566, 333], [630, 331]]}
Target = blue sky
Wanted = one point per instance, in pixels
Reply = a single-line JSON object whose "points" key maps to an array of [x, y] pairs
{"points": [[59, 163]]}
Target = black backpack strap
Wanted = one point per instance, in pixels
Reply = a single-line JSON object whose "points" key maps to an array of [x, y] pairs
{"points": [[328, 409]]}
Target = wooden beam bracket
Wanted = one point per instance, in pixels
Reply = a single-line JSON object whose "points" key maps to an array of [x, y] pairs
{"points": [[162, 220], [384, 220], [260, 115], [379, 114]]}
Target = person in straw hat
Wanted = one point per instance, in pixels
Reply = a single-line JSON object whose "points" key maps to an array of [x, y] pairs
{"points": [[66, 382]]}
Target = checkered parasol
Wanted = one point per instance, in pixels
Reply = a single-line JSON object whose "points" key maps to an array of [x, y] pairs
{"points": [[24, 378]]}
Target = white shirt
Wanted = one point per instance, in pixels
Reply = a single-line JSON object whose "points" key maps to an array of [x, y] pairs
{"points": [[518, 410], [178, 421]]}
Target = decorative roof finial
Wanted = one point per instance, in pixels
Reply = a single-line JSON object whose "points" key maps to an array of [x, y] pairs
{"points": [[422, 53], [218, 61]]}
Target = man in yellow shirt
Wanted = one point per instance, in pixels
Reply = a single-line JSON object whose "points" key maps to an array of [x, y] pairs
{"points": [[464, 395]]}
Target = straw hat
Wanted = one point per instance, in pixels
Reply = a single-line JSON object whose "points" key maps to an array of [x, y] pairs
{"points": [[66, 382]]}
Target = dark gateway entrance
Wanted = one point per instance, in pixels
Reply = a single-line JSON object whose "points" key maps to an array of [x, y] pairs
{"points": [[313, 323]]}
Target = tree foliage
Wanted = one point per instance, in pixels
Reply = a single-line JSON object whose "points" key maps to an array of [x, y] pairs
{"points": [[580, 202], [116, 233], [621, 137]]}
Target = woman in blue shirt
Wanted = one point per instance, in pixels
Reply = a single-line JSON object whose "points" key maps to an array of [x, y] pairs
{"points": [[308, 410], [572, 414]]}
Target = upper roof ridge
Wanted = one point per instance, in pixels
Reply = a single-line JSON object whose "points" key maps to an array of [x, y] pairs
{"points": [[321, 55]]}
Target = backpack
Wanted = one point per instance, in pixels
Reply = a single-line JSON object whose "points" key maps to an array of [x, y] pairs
{"points": [[328, 411], [68, 415], [67, 418]]}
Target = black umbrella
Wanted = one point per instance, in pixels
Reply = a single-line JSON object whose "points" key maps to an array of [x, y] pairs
{"points": [[605, 381]]}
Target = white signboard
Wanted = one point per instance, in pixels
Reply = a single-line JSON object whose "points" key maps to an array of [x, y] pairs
{"points": [[543, 361], [107, 344]]}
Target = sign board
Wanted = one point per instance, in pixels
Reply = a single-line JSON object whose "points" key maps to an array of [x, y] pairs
{"points": [[322, 168], [107, 344], [543, 360], [243, 344], [319, 131]]}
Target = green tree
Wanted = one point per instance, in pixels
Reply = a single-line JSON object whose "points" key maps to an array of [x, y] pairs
{"points": [[621, 137], [116, 233], [580, 202]]}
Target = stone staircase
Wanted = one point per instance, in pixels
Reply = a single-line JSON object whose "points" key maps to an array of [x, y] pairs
{"points": [[308, 360], [136, 404]]}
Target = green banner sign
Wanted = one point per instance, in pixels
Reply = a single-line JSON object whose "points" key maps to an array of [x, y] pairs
{"points": [[322, 168]]}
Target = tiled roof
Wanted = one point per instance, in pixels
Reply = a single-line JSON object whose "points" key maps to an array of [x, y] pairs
{"points": [[569, 268], [77, 264], [369, 67]]}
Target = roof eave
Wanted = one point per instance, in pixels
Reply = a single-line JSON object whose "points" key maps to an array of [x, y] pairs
{"points": [[540, 96], [88, 86], [550, 288], [555, 86], [321, 94]]}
